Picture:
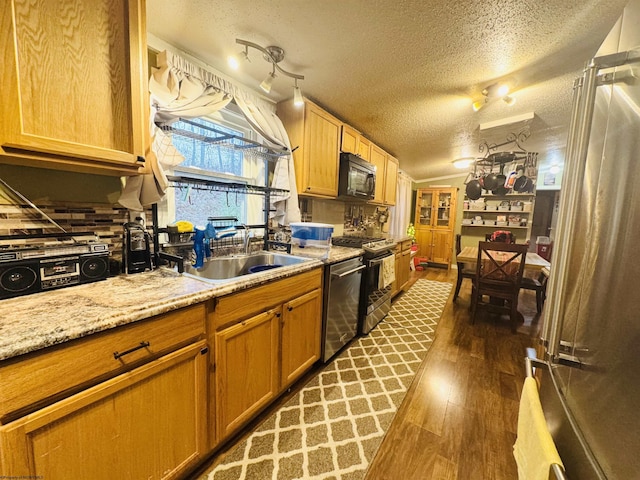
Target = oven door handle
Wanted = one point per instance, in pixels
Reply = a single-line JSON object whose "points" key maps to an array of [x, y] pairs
{"points": [[378, 261], [348, 272]]}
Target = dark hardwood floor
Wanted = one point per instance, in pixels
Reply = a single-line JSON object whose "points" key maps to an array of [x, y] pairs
{"points": [[459, 418]]}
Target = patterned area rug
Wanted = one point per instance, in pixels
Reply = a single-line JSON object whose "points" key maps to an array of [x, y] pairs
{"points": [[333, 427]]}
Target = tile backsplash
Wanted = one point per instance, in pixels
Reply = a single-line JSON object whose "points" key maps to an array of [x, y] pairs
{"points": [[104, 220]]}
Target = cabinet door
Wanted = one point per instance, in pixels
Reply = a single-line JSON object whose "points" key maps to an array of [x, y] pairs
{"points": [[148, 423], [379, 159], [391, 181], [321, 152], [364, 149], [444, 207], [350, 140], [246, 370], [301, 332], [405, 269], [74, 90], [424, 207], [423, 239], [441, 246]]}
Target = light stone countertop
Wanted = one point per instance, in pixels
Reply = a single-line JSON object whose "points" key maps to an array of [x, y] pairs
{"points": [[33, 322]]}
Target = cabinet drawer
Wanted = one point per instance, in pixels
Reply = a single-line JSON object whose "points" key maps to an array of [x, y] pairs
{"points": [[238, 306], [32, 381]]}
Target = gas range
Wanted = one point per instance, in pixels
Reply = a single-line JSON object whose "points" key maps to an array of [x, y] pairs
{"points": [[373, 246]]}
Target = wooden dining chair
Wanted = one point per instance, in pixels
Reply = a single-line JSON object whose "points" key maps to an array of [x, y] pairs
{"points": [[538, 285], [499, 271], [463, 270]]}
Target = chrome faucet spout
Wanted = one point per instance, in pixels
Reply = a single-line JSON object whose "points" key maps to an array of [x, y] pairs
{"points": [[246, 238]]}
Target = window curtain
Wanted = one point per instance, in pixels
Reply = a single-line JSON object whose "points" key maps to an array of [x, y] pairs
{"points": [[181, 89], [401, 212]]}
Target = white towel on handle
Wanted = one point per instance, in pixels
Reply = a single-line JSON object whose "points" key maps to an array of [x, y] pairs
{"points": [[387, 271], [534, 449]]}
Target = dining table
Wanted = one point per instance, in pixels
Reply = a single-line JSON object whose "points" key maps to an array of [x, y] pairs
{"points": [[533, 261]]}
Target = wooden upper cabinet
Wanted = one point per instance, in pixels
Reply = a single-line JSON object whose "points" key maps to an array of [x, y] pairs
{"points": [[350, 140], [317, 134], [391, 181], [354, 142], [364, 149], [386, 176], [74, 85]]}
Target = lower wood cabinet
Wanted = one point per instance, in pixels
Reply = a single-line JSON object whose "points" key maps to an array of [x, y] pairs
{"points": [[265, 339], [435, 245], [300, 336], [402, 265], [146, 423], [246, 375]]}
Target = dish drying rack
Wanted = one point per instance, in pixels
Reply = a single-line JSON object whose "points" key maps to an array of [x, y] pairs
{"points": [[222, 236]]}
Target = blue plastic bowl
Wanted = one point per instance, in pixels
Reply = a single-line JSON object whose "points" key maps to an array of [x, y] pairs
{"points": [[261, 268]]}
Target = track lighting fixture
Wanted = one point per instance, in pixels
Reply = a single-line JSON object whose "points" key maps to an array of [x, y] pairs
{"points": [[268, 81], [493, 92], [464, 162], [271, 54]]}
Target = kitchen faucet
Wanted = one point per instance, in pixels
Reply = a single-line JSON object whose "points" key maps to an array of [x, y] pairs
{"points": [[247, 240]]}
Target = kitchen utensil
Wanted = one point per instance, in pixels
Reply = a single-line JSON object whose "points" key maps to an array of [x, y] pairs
{"points": [[491, 179], [501, 179], [473, 189]]}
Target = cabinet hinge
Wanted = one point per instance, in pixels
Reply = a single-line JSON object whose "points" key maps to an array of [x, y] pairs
{"points": [[204, 351]]}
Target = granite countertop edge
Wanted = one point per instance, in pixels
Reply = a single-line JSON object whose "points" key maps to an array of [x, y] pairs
{"points": [[34, 322], [46, 319]]}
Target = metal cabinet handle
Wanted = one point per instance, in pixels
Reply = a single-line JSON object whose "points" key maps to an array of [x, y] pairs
{"points": [[118, 355], [349, 272]]}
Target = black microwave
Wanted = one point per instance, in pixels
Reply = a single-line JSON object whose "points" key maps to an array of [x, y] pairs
{"points": [[357, 177]]}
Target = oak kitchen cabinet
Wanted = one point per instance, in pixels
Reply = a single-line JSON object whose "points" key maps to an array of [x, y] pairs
{"points": [[434, 221], [107, 406], [316, 134], [402, 265], [265, 339], [354, 142], [386, 176], [74, 85]]}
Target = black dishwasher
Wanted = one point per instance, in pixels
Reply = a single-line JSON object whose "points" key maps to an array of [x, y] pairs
{"points": [[342, 282]]}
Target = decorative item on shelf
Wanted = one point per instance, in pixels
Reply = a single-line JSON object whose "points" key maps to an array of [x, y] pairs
{"points": [[273, 55]]}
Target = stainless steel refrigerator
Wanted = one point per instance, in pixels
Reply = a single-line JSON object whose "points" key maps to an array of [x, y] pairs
{"points": [[590, 391]]}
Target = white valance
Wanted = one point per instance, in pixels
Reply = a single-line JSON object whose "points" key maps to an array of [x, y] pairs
{"points": [[181, 89]]}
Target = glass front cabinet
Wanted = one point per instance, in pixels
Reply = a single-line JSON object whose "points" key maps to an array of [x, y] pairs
{"points": [[435, 216]]}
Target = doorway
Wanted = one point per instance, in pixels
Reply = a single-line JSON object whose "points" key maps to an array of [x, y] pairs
{"points": [[544, 215]]}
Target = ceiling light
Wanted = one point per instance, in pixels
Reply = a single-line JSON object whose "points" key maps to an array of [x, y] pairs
{"points": [[493, 92], [273, 55], [235, 60], [298, 101], [463, 162], [477, 105], [509, 100], [268, 81], [502, 90]]}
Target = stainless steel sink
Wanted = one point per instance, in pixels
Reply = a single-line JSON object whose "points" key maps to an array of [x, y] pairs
{"points": [[224, 269]]}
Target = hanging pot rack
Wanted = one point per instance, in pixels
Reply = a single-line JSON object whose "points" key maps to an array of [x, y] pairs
{"points": [[516, 154]]}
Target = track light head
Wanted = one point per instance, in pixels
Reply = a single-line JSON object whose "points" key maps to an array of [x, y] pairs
{"points": [[298, 101], [236, 60], [268, 82]]}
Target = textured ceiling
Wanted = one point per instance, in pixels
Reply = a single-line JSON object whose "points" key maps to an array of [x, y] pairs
{"points": [[405, 72]]}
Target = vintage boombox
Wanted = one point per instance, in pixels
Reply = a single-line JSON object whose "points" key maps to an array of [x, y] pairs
{"points": [[35, 269]]}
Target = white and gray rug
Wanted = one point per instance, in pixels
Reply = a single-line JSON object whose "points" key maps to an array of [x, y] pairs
{"points": [[333, 427]]}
